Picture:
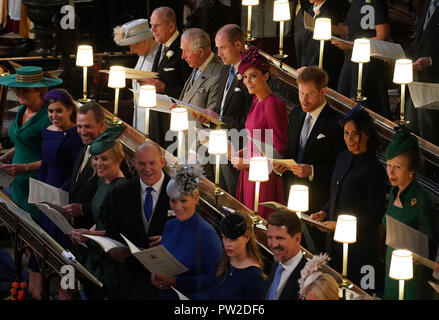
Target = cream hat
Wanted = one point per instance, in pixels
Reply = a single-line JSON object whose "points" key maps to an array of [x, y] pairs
{"points": [[132, 32]]}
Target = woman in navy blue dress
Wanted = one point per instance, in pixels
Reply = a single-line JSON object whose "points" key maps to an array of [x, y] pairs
{"points": [[239, 275]]}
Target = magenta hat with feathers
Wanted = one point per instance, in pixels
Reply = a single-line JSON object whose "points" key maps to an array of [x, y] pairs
{"points": [[252, 58]]}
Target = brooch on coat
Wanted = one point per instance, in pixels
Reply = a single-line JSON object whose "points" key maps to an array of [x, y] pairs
{"points": [[169, 54], [413, 202]]}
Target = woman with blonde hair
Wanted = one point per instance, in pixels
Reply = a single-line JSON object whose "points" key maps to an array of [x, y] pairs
{"points": [[239, 275], [314, 283]]}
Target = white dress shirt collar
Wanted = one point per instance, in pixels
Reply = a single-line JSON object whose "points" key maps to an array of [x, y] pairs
{"points": [[171, 39], [204, 65]]}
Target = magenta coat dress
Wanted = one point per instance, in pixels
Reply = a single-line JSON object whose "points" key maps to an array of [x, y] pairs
{"points": [[270, 113]]}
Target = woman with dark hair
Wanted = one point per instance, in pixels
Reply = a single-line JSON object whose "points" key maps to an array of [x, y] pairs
{"points": [[411, 204], [358, 187], [239, 275], [267, 121], [61, 142]]}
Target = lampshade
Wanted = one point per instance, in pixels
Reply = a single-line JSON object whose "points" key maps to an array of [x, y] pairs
{"points": [[401, 265], [84, 56], [217, 142], [117, 77], [258, 169], [322, 29], [346, 229], [281, 10], [147, 97], [250, 2], [179, 119], [298, 199], [361, 51], [403, 73]]}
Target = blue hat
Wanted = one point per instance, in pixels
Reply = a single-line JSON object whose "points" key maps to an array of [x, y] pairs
{"points": [[29, 77], [356, 112]]}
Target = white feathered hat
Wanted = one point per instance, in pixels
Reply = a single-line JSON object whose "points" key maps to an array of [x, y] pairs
{"points": [[132, 32]]}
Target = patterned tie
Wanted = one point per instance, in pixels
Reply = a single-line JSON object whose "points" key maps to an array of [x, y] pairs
{"points": [[194, 76], [275, 284], [84, 161], [162, 54], [431, 9], [147, 205], [231, 77], [305, 130]]}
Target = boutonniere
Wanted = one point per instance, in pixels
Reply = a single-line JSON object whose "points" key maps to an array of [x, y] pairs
{"points": [[169, 54], [239, 76], [413, 202]]}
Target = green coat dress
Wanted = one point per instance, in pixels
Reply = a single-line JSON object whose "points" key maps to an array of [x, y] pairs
{"points": [[417, 212], [27, 142], [99, 263]]}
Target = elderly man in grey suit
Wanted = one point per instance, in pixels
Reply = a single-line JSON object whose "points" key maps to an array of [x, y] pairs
{"points": [[201, 88]]}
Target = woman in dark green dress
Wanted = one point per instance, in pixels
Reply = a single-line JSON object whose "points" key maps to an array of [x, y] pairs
{"points": [[410, 204], [107, 154]]}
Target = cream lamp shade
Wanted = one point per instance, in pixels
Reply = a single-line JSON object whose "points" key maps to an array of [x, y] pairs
{"points": [[401, 265], [298, 198], [361, 51], [217, 142], [258, 171], [403, 73], [147, 97], [250, 2], [179, 119], [281, 10], [322, 29], [116, 79], [346, 229], [84, 56]]}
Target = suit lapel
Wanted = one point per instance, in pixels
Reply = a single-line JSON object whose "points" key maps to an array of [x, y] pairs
{"points": [[317, 128], [202, 77], [296, 128], [420, 33], [156, 59], [291, 288], [344, 170], [173, 47]]}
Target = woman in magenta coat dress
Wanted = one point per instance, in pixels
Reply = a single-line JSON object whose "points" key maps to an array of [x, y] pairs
{"points": [[266, 122]]}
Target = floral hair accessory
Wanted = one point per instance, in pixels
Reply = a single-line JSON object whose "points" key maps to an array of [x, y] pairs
{"points": [[252, 58], [184, 181], [311, 272]]}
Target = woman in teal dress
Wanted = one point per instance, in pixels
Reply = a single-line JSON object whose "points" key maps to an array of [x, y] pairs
{"points": [[26, 132], [107, 154], [410, 204]]}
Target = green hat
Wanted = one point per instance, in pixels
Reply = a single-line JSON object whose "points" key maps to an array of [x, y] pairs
{"points": [[402, 141], [29, 77], [106, 140]]}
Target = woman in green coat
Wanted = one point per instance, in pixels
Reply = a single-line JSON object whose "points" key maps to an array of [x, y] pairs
{"points": [[107, 154], [25, 132], [411, 204]]}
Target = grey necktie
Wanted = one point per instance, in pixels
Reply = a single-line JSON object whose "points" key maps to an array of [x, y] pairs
{"points": [[228, 84], [162, 54], [431, 9], [194, 77], [305, 130]]}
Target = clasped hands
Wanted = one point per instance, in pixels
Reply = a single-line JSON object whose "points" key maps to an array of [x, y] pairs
{"points": [[320, 216], [300, 170]]}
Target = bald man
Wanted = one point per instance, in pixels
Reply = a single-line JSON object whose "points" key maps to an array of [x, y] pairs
{"points": [[138, 209]]}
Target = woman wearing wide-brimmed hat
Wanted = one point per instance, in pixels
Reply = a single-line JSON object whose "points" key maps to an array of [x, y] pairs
{"points": [[25, 132]]}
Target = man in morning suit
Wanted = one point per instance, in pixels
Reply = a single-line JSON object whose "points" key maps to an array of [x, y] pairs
{"points": [[284, 233], [172, 70], [314, 141], [425, 54], [90, 123], [234, 101], [138, 209]]}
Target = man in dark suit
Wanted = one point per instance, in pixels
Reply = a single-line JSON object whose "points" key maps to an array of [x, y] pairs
{"points": [[138, 209], [234, 101], [284, 233], [90, 123], [172, 70], [425, 54], [314, 141]]}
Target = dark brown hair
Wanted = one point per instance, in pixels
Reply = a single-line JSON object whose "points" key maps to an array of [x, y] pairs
{"points": [[287, 219], [315, 75]]}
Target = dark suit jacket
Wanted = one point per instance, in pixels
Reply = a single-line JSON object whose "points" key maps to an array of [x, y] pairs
{"points": [[426, 44], [82, 190], [125, 217], [291, 288], [174, 72], [238, 101], [320, 152]]}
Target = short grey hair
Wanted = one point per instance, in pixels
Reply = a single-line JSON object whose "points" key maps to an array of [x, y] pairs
{"points": [[197, 38]]}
